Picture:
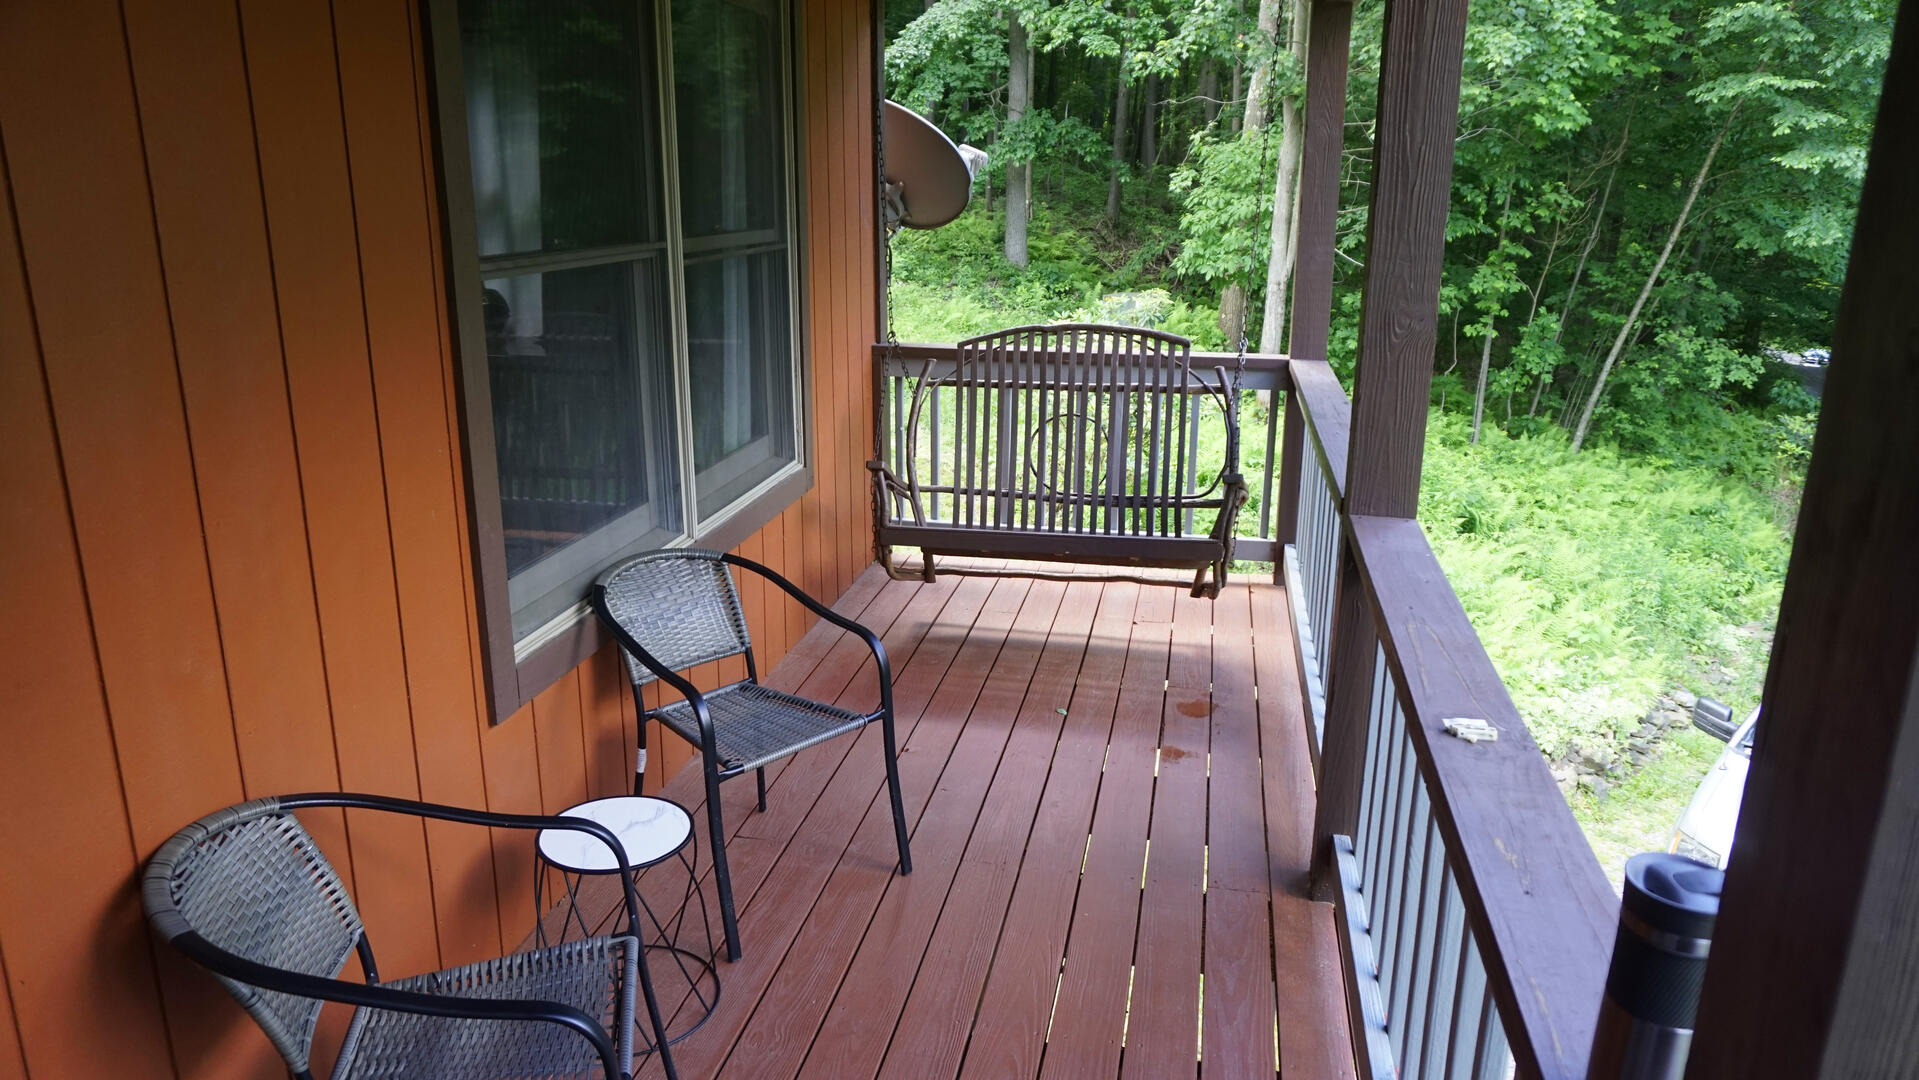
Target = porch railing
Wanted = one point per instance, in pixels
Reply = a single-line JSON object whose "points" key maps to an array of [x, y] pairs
{"points": [[1310, 563], [1476, 924]]}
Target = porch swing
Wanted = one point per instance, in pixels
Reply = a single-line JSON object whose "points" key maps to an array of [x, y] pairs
{"points": [[1071, 443]]}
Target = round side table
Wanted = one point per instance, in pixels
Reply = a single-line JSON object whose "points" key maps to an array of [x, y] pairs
{"points": [[652, 830]]}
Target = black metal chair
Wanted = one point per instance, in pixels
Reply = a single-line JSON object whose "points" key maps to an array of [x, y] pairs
{"points": [[245, 893], [675, 609]]}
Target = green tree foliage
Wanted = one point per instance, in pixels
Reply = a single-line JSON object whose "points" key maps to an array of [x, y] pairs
{"points": [[1583, 124]]}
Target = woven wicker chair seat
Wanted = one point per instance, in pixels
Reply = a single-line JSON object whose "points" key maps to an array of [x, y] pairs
{"points": [[754, 725], [596, 975]]}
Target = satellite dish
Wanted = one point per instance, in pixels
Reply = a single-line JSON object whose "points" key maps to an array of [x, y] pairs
{"points": [[930, 178]]}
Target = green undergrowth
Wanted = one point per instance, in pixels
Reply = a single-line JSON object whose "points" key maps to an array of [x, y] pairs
{"points": [[1598, 581]]}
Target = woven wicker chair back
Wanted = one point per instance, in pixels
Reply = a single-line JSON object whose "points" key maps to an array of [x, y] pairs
{"points": [[679, 605], [251, 881]]}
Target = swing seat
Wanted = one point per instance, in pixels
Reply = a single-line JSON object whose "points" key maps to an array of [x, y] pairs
{"points": [[1073, 443]]}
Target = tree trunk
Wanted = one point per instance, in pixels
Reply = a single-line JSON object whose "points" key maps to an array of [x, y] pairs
{"points": [[1479, 391], [1233, 303], [1592, 238], [1239, 119], [1645, 291], [1232, 312], [1149, 124], [1209, 92], [1122, 107], [1486, 353], [1263, 68], [1281, 249], [1019, 178]]}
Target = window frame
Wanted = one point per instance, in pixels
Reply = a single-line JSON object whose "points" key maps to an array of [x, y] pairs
{"points": [[515, 670]]}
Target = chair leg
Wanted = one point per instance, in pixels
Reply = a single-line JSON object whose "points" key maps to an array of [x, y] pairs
{"points": [[893, 790], [760, 774], [653, 1015], [722, 876]]}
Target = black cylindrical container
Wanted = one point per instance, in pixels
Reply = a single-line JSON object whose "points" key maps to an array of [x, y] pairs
{"points": [[1658, 967]]}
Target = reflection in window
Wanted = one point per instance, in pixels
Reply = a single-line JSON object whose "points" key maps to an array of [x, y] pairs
{"points": [[560, 99], [582, 422], [742, 384], [727, 75]]}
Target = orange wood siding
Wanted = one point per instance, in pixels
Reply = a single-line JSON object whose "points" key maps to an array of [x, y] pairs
{"points": [[237, 558]]}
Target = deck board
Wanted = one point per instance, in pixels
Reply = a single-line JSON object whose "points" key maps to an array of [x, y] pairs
{"points": [[1110, 800], [1089, 1017]]}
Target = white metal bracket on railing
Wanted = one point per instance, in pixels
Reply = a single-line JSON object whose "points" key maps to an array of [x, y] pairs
{"points": [[1471, 729]]}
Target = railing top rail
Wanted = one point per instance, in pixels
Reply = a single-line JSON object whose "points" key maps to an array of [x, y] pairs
{"points": [[1264, 371], [1538, 902], [1329, 417]]}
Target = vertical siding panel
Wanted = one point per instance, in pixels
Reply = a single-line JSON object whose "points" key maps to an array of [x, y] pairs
{"points": [[772, 628], [805, 570], [753, 595], [87, 233], [513, 787], [609, 758], [561, 756], [794, 570], [191, 89], [656, 740], [830, 411], [859, 356], [833, 421], [309, 202], [852, 135], [376, 51], [450, 373], [12, 1065], [557, 727], [93, 959]]}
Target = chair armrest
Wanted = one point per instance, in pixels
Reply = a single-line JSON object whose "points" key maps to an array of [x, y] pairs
{"points": [[872, 640], [468, 816], [240, 969]]}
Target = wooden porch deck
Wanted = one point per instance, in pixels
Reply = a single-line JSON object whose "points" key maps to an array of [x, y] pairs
{"points": [[1112, 807]]}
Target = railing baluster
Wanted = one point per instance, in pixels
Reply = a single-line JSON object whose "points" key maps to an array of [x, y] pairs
{"points": [[1441, 981], [1369, 791], [1399, 885], [1271, 465], [1197, 404], [936, 398], [1397, 747], [1470, 1000], [1418, 969], [1490, 1059]]}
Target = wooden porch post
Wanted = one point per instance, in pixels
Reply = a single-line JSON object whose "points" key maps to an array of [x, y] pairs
{"points": [[1424, 48], [1328, 47], [1815, 964]]}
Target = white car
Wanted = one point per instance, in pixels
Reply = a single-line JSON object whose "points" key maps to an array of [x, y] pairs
{"points": [[1705, 830]]}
